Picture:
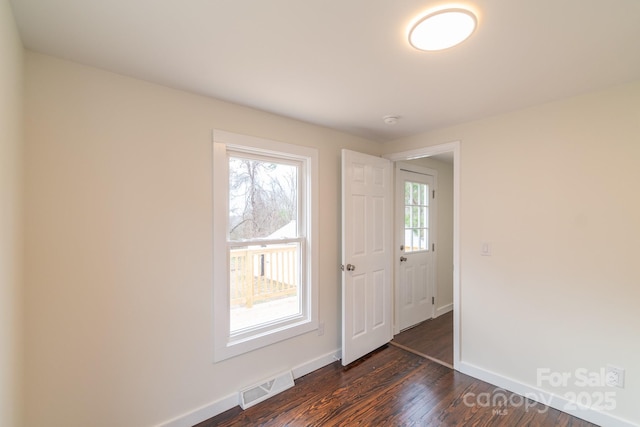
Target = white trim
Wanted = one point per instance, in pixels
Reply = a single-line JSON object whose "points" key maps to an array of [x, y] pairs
{"points": [[443, 310], [203, 413], [221, 257], [424, 151], [261, 146], [315, 364], [454, 147], [231, 401], [541, 396]]}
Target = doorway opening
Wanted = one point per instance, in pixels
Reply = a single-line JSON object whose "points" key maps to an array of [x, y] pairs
{"points": [[437, 337]]}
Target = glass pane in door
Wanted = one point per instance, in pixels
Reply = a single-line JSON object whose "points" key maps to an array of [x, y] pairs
{"points": [[416, 217]]}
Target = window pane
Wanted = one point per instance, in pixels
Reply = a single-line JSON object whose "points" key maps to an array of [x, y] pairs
{"points": [[262, 199], [411, 236], [264, 284], [415, 216], [407, 193], [407, 217], [407, 240]]}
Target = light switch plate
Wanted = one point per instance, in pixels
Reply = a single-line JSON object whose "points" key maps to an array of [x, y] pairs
{"points": [[485, 249]]}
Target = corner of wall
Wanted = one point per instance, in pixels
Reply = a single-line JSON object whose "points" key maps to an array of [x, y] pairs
{"points": [[11, 200]]}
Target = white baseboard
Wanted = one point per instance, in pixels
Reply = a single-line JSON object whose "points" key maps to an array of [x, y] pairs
{"points": [[203, 413], [444, 309], [550, 399], [219, 406], [317, 363]]}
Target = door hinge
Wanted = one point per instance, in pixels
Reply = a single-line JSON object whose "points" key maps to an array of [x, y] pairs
{"points": [[433, 300], [433, 247], [433, 194]]}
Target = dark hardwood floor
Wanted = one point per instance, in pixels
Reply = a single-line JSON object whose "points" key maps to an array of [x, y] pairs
{"points": [[432, 338], [393, 387]]}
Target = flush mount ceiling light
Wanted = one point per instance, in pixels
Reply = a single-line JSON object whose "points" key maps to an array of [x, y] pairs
{"points": [[442, 29]]}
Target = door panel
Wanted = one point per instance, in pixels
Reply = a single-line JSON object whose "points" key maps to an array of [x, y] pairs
{"points": [[358, 310], [367, 251]]}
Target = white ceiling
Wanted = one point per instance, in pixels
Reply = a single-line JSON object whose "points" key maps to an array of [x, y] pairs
{"points": [[346, 63]]}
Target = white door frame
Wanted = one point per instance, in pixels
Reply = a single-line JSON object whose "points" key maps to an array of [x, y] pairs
{"points": [[426, 152]]}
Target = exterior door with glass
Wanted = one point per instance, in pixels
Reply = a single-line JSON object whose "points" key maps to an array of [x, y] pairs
{"points": [[415, 201]]}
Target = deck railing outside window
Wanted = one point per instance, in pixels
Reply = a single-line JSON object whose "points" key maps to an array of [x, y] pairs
{"points": [[263, 274]]}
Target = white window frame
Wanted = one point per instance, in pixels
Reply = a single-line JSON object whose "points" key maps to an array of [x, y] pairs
{"points": [[227, 345]]}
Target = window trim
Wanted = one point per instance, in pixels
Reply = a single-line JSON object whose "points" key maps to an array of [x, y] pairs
{"points": [[225, 346]]}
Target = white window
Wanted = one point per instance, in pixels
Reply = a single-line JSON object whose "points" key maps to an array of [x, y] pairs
{"points": [[265, 242]]}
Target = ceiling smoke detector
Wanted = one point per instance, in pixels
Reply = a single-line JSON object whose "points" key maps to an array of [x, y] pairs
{"points": [[390, 120]]}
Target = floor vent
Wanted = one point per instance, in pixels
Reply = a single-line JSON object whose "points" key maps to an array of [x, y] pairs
{"points": [[257, 393]]}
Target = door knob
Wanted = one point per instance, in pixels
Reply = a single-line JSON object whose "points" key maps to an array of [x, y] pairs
{"points": [[403, 258], [351, 267]]}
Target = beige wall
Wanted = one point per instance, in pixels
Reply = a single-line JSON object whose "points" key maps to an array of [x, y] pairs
{"points": [[119, 248], [444, 230], [10, 216], [555, 190], [118, 242]]}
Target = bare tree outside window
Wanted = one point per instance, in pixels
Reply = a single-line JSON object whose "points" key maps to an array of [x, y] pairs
{"points": [[262, 197]]}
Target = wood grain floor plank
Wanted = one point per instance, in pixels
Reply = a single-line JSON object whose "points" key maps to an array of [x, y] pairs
{"points": [[390, 387], [433, 338]]}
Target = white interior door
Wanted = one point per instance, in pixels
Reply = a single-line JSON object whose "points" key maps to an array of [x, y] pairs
{"points": [[367, 251], [415, 202]]}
